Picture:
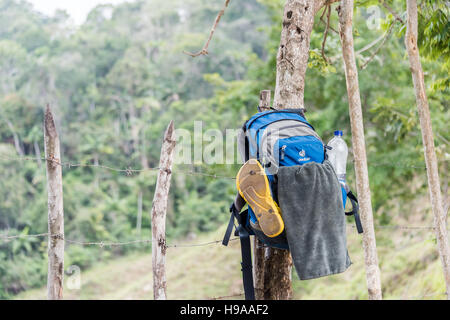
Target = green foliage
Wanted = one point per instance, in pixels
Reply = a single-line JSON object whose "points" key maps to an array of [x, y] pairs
{"points": [[434, 28], [115, 82]]}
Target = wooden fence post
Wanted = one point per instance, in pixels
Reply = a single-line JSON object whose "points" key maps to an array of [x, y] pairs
{"points": [[55, 209], [359, 150], [437, 204], [158, 214], [258, 248], [264, 100]]}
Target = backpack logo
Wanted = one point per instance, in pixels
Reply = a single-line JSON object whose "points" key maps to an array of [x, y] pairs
{"points": [[302, 155]]}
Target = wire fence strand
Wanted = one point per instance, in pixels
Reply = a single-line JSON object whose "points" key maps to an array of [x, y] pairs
{"points": [[129, 171], [107, 243], [226, 297], [426, 295], [421, 297], [399, 227]]}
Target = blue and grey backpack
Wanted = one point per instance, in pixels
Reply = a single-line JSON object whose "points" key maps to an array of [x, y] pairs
{"points": [[276, 138]]}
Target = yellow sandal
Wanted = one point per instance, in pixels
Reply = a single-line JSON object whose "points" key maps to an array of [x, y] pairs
{"points": [[253, 186]]}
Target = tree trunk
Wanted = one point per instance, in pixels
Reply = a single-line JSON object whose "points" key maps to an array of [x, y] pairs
{"points": [[359, 150], [293, 54], [258, 248], [55, 209], [158, 215], [277, 274], [292, 61], [258, 268], [437, 204]]}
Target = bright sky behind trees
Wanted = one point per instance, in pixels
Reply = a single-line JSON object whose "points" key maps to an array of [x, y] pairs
{"points": [[78, 9]]}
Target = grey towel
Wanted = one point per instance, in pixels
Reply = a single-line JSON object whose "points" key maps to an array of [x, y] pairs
{"points": [[311, 204]]}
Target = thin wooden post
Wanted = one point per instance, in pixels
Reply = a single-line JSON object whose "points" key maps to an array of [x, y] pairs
{"points": [[264, 100], [258, 268], [158, 214], [139, 214], [55, 209], [437, 204], [258, 248], [359, 150]]}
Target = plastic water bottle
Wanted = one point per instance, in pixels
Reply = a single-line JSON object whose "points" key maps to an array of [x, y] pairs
{"points": [[338, 155]]}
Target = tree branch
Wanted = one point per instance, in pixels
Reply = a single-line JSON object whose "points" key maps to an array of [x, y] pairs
{"points": [[327, 26], [385, 37], [204, 50], [370, 45], [318, 4], [324, 22], [396, 16], [16, 138]]}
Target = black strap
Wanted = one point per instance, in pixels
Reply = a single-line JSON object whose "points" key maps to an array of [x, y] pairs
{"points": [[247, 149], [226, 238], [247, 272], [246, 142], [234, 215], [355, 211], [244, 237]]}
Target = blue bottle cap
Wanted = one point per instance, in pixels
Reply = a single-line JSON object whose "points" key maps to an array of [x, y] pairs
{"points": [[338, 133]]}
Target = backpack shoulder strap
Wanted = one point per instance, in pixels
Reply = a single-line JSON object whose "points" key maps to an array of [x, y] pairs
{"points": [[244, 237], [246, 264], [246, 142], [355, 211]]}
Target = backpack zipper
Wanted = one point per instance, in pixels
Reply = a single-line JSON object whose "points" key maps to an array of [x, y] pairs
{"points": [[302, 124], [249, 123], [282, 152], [287, 127]]}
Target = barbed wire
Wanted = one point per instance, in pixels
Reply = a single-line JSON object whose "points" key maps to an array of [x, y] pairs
{"points": [[426, 295], [226, 297], [129, 171], [105, 243], [402, 165], [102, 244], [19, 236], [405, 227], [198, 244], [400, 227]]}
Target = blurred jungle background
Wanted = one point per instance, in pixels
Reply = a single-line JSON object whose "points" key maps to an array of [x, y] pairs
{"points": [[116, 80]]}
